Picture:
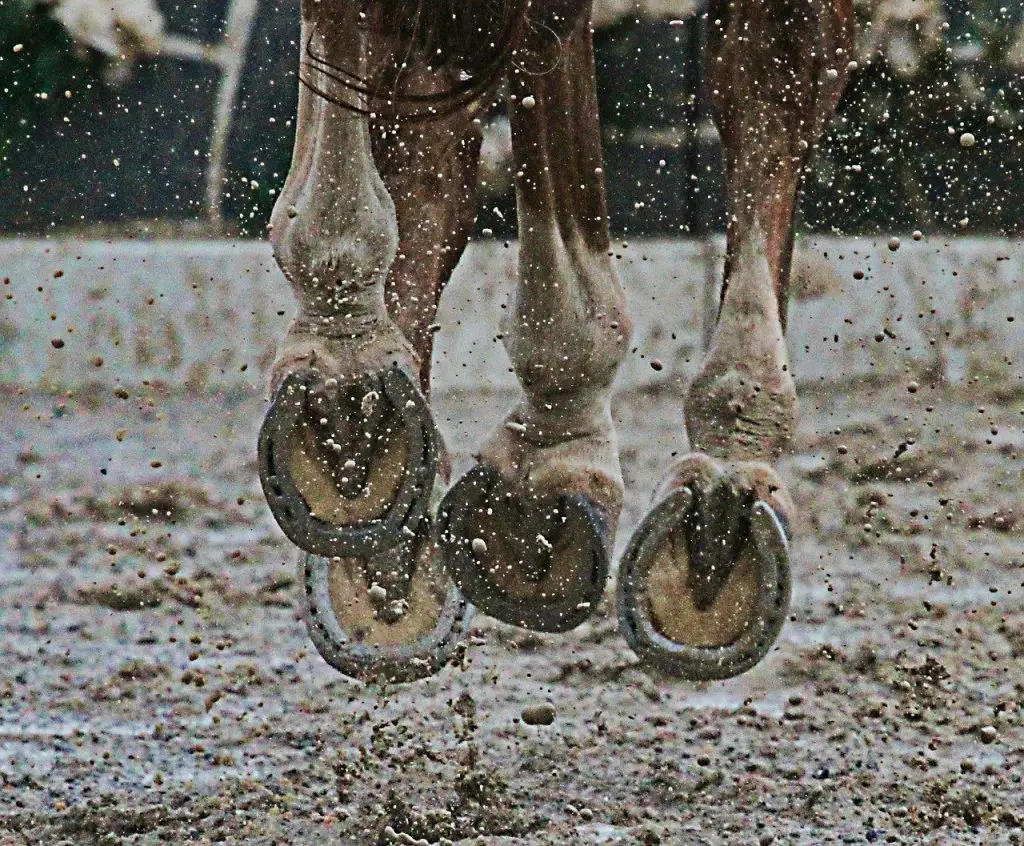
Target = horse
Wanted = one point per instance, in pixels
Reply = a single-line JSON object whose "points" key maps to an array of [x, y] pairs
{"points": [[377, 208]]}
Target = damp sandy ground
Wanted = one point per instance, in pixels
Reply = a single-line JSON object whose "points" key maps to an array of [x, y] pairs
{"points": [[158, 686]]}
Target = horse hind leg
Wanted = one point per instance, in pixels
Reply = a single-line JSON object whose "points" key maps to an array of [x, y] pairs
{"points": [[704, 584], [527, 534], [429, 168], [348, 451]]}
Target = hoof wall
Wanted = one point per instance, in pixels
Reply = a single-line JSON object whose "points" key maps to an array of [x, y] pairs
{"points": [[396, 618], [348, 468], [539, 563], [662, 615]]}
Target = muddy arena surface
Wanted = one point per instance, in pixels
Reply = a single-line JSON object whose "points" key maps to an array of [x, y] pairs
{"points": [[159, 686]]}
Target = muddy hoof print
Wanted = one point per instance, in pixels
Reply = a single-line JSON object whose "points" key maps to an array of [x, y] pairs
{"points": [[671, 619], [391, 619], [541, 565], [347, 468]]}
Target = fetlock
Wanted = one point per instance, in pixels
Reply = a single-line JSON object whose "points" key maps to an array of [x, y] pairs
{"points": [[742, 405], [560, 449], [734, 416], [342, 358]]}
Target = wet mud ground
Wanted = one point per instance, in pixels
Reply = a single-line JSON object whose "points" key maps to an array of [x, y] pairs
{"points": [[157, 684]]}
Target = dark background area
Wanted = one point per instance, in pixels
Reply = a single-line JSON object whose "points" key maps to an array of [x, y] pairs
{"points": [[57, 156]]}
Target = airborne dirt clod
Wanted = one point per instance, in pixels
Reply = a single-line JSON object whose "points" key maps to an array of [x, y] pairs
{"points": [[538, 715], [158, 684]]}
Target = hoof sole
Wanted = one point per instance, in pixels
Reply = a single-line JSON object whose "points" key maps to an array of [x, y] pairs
{"points": [[657, 612], [540, 565], [347, 628], [302, 457]]}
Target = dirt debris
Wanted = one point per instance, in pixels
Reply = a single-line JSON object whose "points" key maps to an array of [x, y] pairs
{"points": [[542, 714], [186, 704]]}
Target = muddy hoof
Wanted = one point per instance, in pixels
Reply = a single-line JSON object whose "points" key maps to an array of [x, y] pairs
{"points": [[348, 467], [394, 618], [540, 564], [704, 585]]}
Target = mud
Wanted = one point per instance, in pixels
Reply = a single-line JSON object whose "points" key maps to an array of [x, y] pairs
{"points": [[158, 685]]}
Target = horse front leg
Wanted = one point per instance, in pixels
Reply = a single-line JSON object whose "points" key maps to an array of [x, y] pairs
{"points": [[705, 582], [527, 534], [348, 451]]}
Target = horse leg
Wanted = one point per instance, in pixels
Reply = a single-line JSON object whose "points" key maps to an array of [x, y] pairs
{"points": [[704, 587], [528, 532], [348, 450], [429, 168]]}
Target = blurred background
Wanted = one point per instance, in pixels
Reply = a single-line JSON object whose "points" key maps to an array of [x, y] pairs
{"points": [[176, 118]]}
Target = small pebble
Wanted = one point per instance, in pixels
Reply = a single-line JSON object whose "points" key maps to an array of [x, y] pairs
{"points": [[538, 715], [529, 101], [917, 235], [988, 734], [913, 387], [57, 343], [894, 244], [18, 48], [656, 364], [377, 593], [479, 546], [967, 139]]}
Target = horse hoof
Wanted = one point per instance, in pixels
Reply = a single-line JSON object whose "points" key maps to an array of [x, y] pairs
{"points": [[391, 619], [718, 623], [536, 562], [347, 467]]}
